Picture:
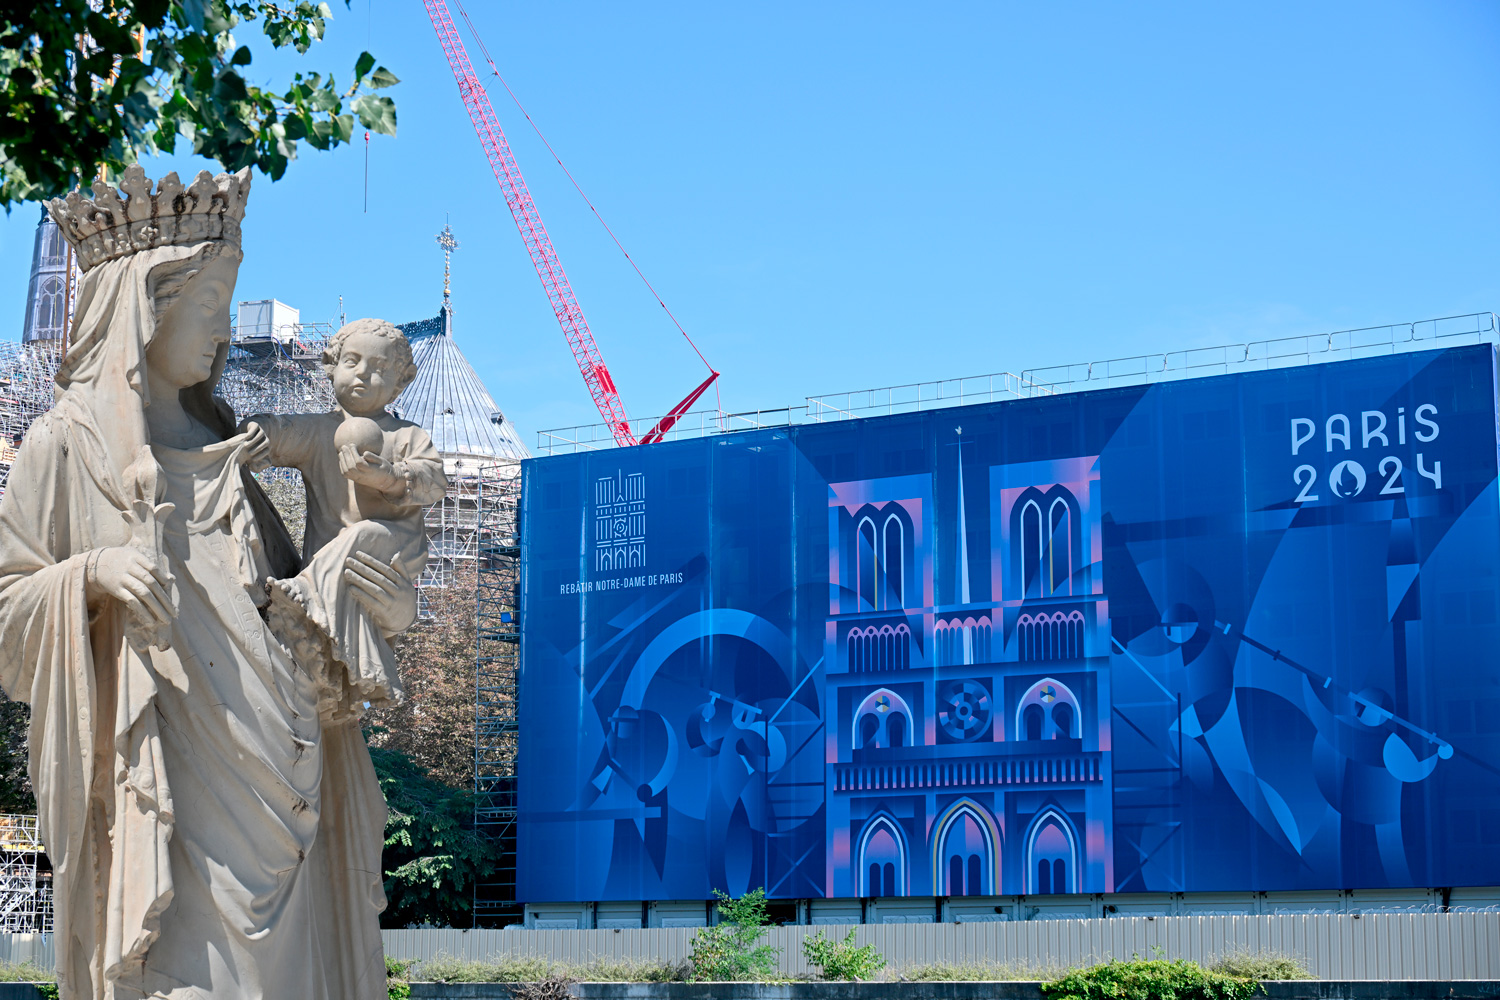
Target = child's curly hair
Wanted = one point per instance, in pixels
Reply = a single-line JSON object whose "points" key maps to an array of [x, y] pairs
{"points": [[380, 328]]}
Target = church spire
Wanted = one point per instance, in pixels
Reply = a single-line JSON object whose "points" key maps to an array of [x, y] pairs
{"points": [[446, 240]]}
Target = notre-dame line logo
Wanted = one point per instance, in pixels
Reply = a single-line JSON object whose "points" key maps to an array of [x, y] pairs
{"points": [[620, 522]]}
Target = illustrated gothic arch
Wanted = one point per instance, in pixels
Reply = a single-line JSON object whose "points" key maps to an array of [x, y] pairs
{"points": [[882, 563], [1054, 636], [1049, 710], [1047, 542], [1052, 857], [879, 647], [881, 858], [883, 720], [966, 851], [959, 641]]}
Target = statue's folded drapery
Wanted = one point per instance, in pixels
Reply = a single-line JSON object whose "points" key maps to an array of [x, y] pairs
{"points": [[198, 771]]}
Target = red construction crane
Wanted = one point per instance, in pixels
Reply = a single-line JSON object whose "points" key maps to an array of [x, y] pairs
{"points": [[548, 268]]}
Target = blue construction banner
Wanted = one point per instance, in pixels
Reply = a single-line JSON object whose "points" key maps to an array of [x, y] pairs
{"points": [[1234, 633]]}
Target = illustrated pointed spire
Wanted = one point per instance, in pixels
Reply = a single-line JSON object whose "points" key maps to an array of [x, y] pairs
{"points": [[963, 531]]}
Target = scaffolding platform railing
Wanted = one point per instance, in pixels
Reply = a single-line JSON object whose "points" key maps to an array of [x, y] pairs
{"points": [[1279, 352], [816, 409], [1145, 369]]}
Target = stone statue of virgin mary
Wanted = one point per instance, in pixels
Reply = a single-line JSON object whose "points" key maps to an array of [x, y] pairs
{"points": [[210, 836]]}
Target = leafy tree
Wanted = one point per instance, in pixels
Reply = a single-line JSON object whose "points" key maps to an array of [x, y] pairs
{"points": [[86, 84], [15, 782], [435, 725], [733, 949], [432, 851]]}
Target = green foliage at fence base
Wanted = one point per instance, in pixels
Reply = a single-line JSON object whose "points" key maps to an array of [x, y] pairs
{"points": [[25, 972], [447, 969], [841, 959], [1154, 979], [979, 972], [1261, 965], [733, 949], [396, 975]]}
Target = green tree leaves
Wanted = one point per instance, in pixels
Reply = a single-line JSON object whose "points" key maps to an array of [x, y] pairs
{"points": [[432, 851], [83, 89]]}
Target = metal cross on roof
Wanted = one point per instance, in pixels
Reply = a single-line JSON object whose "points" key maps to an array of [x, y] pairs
{"points": [[449, 244]]}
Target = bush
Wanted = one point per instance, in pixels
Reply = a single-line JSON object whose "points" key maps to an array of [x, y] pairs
{"points": [[446, 969], [1149, 980], [841, 959], [25, 972], [602, 970], [733, 950], [1261, 966], [396, 985], [978, 972]]}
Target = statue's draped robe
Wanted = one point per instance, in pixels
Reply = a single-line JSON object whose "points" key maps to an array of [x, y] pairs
{"points": [[208, 837]]}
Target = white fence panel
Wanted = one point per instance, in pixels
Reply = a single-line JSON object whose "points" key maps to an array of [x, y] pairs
{"points": [[1373, 946], [1377, 946], [34, 948]]}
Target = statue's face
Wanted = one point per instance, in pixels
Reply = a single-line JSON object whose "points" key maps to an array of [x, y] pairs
{"points": [[188, 335], [367, 376]]}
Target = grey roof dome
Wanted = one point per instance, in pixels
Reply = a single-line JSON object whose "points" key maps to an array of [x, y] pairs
{"points": [[448, 399]]}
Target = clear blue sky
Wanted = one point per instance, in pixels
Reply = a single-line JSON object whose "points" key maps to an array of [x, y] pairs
{"points": [[840, 196]]}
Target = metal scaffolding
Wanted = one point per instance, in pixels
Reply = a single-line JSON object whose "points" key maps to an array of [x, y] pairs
{"points": [[25, 890], [454, 525], [497, 659], [271, 375], [27, 373]]}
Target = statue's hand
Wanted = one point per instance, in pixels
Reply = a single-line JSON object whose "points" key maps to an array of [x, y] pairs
{"points": [[369, 469], [383, 591], [257, 454], [133, 578]]}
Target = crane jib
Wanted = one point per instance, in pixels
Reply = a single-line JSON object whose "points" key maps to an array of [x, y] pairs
{"points": [[539, 247]]}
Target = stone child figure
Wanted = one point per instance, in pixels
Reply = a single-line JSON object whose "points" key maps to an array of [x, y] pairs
{"points": [[368, 475]]}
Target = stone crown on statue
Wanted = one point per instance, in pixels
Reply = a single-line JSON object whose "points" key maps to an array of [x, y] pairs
{"points": [[109, 227]]}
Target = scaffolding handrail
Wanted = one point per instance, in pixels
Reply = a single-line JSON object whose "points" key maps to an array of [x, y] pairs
{"points": [[1276, 352], [1146, 369]]}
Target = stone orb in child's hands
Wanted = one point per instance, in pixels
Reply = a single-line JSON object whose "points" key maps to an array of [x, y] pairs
{"points": [[362, 432]]}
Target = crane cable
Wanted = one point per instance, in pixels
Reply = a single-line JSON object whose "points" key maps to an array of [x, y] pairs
{"points": [[496, 70]]}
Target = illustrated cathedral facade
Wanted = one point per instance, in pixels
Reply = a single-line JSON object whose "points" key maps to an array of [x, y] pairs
{"points": [[969, 718]]}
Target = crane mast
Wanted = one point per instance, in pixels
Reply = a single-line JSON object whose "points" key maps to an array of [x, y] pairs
{"points": [[543, 257]]}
